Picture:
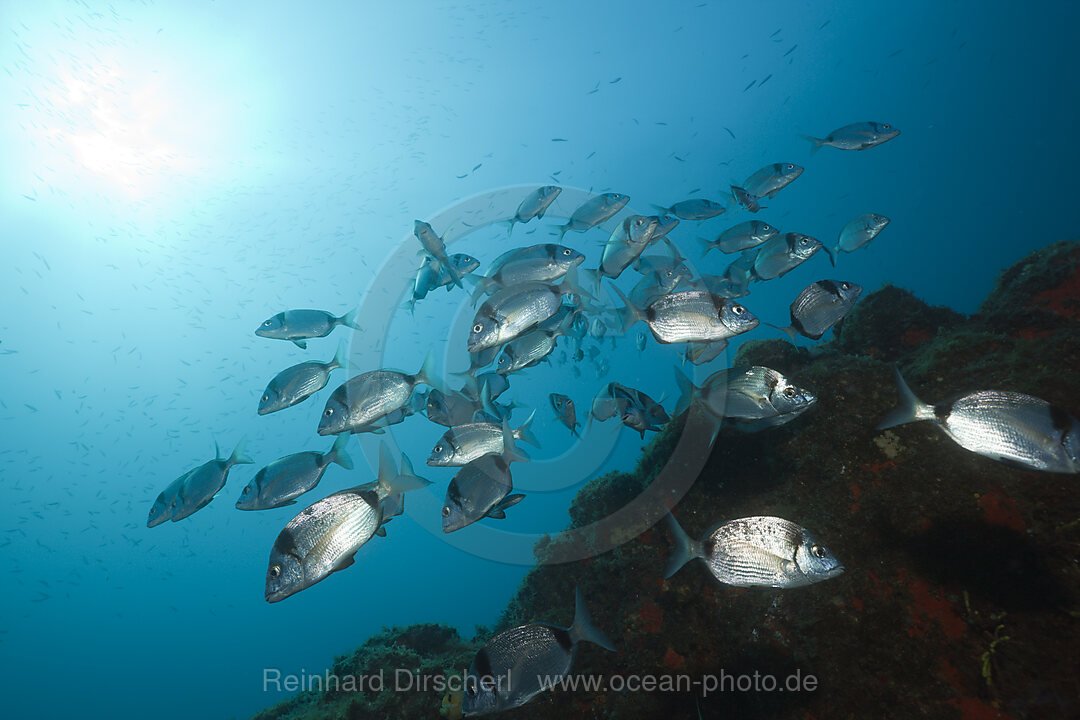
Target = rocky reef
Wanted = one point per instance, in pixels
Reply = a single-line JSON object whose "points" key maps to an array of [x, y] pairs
{"points": [[960, 594]]}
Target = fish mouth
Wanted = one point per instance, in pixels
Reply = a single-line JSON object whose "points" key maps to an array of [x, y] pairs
{"points": [[274, 596]]}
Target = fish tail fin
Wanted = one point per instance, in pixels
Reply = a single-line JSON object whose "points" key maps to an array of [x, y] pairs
{"points": [[629, 313], [831, 252], [705, 244], [789, 331], [908, 409], [408, 479], [338, 454], [427, 373], [511, 452], [341, 357], [471, 388], [815, 143], [570, 284], [510, 229], [583, 628], [482, 285], [239, 454], [562, 231], [349, 319], [409, 305], [686, 392], [661, 209], [524, 434], [677, 257], [686, 549]]}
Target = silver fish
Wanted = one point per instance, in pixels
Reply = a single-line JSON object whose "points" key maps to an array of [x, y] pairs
{"points": [[756, 551], [857, 136], [747, 398], [771, 179], [436, 248], [741, 237], [416, 404], [688, 316], [634, 408], [298, 383], [163, 507], [702, 353], [324, 537], [565, 411], [511, 668], [819, 307], [1012, 428], [432, 275], [594, 211], [856, 233], [734, 283], [744, 198], [696, 209], [302, 325], [625, 245], [282, 481], [480, 489], [534, 205], [450, 409], [463, 444], [537, 263], [203, 483], [531, 348], [365, 398], [782, 254], [513, 310]]}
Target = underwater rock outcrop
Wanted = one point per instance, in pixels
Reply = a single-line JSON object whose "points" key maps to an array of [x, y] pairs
{"points": [[960, 594]]}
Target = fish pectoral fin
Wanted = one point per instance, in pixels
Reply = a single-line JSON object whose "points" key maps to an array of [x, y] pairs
{"points": [[381, 531], [302, 344], [499, 511]]}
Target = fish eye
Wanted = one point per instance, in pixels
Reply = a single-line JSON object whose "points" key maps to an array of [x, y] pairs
{"points": [[789, 392], [567, 251], [438, 448], [818, 551], [845, 286], [446, 511], [790, 166], [328, 412], [885, 126], [766, 227], [275, 571], [265, 398], [477, 328], [738, 309], [266, 324], [668, 273]]}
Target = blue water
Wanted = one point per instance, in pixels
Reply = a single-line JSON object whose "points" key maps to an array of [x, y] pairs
{"points": [[174, 174]]}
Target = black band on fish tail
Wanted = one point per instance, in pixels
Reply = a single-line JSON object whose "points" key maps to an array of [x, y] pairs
{"points": [[943, 410], [1061, 420], [563, 638], [797, 325], [482, 664]]}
